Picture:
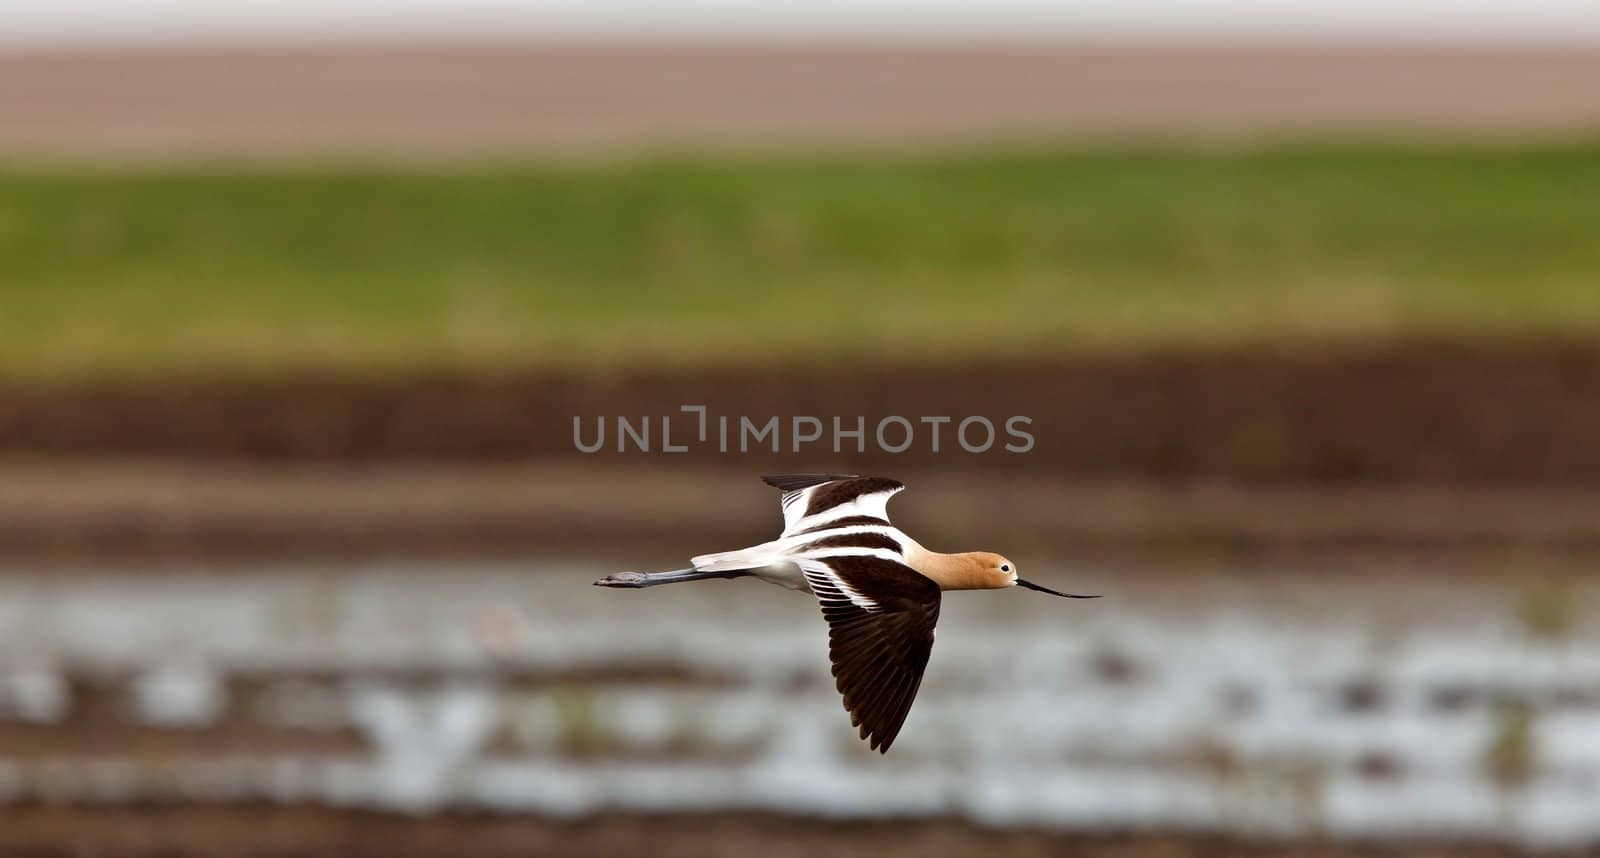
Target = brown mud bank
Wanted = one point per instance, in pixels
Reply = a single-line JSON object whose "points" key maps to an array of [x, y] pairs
{"points": [[243, 830], [1458, 456], [92, 513], [1410, 413]]}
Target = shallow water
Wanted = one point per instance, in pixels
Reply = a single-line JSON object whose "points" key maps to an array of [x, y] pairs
{"points": [[1294, 705]]}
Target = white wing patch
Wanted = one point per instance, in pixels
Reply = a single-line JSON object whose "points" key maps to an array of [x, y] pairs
{"points": [[794, 507], [875, 505], [797, 504], [829, 587]]}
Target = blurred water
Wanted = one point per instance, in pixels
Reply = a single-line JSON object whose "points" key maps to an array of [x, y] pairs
{"points": [[1343, 706]]}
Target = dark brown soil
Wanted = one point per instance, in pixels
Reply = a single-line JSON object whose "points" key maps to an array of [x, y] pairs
{"points": [[1475, 457], [298, 831], [1432, 413]]}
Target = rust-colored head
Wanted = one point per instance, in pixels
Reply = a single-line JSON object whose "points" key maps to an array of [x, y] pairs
{"points": [[977, 570], [972, 570]]}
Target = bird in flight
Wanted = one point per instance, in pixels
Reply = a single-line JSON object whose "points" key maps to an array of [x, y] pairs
{"points": [[879, 589]]}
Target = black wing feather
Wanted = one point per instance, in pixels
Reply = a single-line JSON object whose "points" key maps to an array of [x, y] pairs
{"points": [[796, 482], [878, 654]]}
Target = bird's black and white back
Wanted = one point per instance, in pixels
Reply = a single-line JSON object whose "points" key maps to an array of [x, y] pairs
{"points": [[813, 502], [824, 515]]}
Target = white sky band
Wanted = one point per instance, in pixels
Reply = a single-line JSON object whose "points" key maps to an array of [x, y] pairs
{"points": [[51, 23]]}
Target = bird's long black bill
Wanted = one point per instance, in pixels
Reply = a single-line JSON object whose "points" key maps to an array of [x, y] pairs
{"points": [[1032, 586]]}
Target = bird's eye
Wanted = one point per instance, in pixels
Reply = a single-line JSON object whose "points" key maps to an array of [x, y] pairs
{"points": [[1005, 567]]}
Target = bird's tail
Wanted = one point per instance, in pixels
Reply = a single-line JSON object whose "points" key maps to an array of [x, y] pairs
{"points": [[744, 558]]}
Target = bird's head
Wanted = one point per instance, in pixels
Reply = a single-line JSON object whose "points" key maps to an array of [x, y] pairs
{"points": [[979, 570], [999, 572], [992, 571]]}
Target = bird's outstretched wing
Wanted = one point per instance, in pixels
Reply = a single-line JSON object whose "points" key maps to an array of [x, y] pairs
{"points": [[821, 501], [881, 615]]}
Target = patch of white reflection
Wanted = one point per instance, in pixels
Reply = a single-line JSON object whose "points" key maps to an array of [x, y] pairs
{"points": [[34, 693], [179, 694], [422, 742]]}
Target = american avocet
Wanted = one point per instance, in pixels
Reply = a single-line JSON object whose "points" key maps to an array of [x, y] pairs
{"points": [[879, 589]]}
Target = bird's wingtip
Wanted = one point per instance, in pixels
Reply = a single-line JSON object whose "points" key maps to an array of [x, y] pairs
{"points": [[796, 482]]}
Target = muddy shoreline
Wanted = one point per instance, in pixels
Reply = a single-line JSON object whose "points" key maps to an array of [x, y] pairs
{"points": [[1370, 456], [92, 514], [190, 830], [1515, 414]]}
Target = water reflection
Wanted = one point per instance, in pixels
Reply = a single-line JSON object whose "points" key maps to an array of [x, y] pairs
{"points": [[1435, 707]]}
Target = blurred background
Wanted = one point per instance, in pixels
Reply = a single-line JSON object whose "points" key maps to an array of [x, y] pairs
{"points": [[299, 302]]}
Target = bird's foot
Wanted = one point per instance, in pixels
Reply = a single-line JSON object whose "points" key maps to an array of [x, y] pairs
{"points": [[631, 580]]}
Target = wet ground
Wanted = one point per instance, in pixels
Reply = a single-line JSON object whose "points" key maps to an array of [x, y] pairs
{"points": [[66, 514], [1231, 709], [1366, 457], [302, 831], [1349, 612]]}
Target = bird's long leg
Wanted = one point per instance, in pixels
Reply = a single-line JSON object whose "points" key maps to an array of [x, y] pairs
{"points": [[635, 580]]}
